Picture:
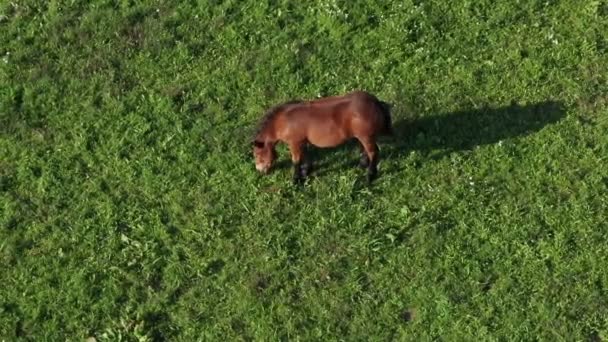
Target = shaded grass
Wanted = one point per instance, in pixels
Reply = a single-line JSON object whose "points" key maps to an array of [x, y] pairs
{"points": [[130, 208]]}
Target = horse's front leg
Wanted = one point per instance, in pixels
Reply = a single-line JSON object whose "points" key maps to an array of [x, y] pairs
{"points": [[306, 165], [296, 150]]}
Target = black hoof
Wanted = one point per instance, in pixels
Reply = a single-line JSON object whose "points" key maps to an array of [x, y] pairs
{"points": [[363, 163], [371, 176], [306, 170], [298, 180]]}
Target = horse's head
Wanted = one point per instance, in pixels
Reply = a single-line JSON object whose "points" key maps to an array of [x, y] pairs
{"points": [[265, 155]]}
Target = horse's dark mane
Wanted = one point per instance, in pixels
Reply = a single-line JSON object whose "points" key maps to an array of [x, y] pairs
{"points": [[272, 112]]}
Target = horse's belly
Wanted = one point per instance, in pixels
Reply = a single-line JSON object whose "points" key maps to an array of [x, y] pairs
{"points": [[327, 136]]}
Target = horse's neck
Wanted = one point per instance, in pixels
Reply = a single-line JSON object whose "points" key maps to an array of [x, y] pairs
{"points": [[267, 133]]}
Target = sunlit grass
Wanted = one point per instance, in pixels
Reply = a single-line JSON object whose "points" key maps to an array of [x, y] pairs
{"points": [[130, 208]]}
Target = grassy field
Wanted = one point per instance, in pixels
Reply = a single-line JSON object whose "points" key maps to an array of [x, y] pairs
{"points": [[130, 208]]}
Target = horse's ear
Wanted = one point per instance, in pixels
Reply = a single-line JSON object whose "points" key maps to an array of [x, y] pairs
{"points": [[258, 144]]}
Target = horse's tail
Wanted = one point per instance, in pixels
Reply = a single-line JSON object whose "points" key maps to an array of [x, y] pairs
{"points": [[385, 109]]}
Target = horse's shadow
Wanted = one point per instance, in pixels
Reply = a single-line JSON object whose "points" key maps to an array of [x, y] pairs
{"points": [[447, 133]]}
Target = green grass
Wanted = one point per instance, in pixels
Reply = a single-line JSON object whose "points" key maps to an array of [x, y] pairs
{"points": [[130, 208]]}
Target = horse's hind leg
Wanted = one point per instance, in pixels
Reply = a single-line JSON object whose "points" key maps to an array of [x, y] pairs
{"points": [[371, 149], [363, 159]]}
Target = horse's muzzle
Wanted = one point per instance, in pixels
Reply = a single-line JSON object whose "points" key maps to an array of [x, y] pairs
{"points": [[262, 169]]}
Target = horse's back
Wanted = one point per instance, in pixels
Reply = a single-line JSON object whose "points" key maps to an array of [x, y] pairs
{"points": [[329, 121], [358, 112]]}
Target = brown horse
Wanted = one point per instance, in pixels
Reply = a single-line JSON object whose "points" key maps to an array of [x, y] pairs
{"points": [[324, 122]]}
